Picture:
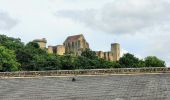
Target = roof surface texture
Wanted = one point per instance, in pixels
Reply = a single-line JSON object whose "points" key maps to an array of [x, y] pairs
{"points": [[73, 38], [116, 87]]}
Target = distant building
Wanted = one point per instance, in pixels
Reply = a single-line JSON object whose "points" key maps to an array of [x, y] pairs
{"points": [[41, 42], [76, 44], [113, 55], [59, 49], [51, 49]]}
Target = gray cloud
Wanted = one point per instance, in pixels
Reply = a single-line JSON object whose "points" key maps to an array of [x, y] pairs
{"points": [[149, 19], [6, 21], [123, 16]]}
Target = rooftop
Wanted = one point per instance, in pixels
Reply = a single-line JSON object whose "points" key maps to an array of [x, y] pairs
{"points": [[40, 40], [73, 38], [114, 87]]}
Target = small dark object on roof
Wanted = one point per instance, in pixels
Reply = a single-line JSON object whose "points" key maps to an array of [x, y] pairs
{"points": [[73, 79]]}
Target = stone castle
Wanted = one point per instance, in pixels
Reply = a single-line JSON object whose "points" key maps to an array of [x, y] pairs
{"points": [[76, 44]]}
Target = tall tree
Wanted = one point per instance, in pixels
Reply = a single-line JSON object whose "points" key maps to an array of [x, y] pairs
{"points": [[129, 60], [29, 55], [8, 60]]}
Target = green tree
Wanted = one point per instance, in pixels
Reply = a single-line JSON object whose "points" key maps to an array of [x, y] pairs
{"points": [[141, 63], [82, 63], [11, 43], [33, 45], [129, 60], [47, 62], [29, 55], [89, 54], [152, 61], [108, 64], [8, 60], [68, 62]]}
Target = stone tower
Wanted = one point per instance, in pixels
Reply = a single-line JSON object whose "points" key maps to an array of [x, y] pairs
{"points": [[50, 49], [41, 42], [115, 49], [60, 49]]}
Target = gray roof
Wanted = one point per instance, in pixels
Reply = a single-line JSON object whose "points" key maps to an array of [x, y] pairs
{"points": [[116, 87]]}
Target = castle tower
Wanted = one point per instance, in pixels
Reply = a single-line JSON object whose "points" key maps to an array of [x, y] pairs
{"points": [[41, 42], [115, 49], [50, 49], [60, 49]]}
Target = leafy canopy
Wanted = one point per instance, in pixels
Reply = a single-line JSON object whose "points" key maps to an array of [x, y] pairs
{"points": [[8, 60]]}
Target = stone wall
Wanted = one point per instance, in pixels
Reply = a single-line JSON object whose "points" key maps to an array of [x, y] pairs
{"points": [[85, 72], [60, 49]]}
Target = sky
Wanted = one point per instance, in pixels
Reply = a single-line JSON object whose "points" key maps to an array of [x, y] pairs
{"points": [[141, 27]]}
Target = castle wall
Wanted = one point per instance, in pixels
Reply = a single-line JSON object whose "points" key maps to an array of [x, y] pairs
{"points": [[100, 54], [110, 56], [42, 45]]}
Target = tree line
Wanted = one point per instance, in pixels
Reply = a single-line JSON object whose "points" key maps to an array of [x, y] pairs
{"points": [[17, 56]]}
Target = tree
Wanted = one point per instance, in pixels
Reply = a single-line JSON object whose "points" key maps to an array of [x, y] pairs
{"points": [[82, 63], [68, 62], [89, 54], [152, 61], [11, 43], [33, 45], [107, 64], [129, 60], [47, 62], [28, 55], [8, 60]]}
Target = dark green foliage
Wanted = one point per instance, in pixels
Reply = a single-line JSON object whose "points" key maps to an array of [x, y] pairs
{"points": [[8, 60], [46, 62], [32, 45], [152, 61], [68, 62], [89, 60], [11, 43], [89, 54], [28, 55], [82, 63], [129, 60]]}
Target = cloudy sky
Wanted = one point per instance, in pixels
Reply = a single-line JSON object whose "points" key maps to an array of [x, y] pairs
{"points": [[142, 27]]}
